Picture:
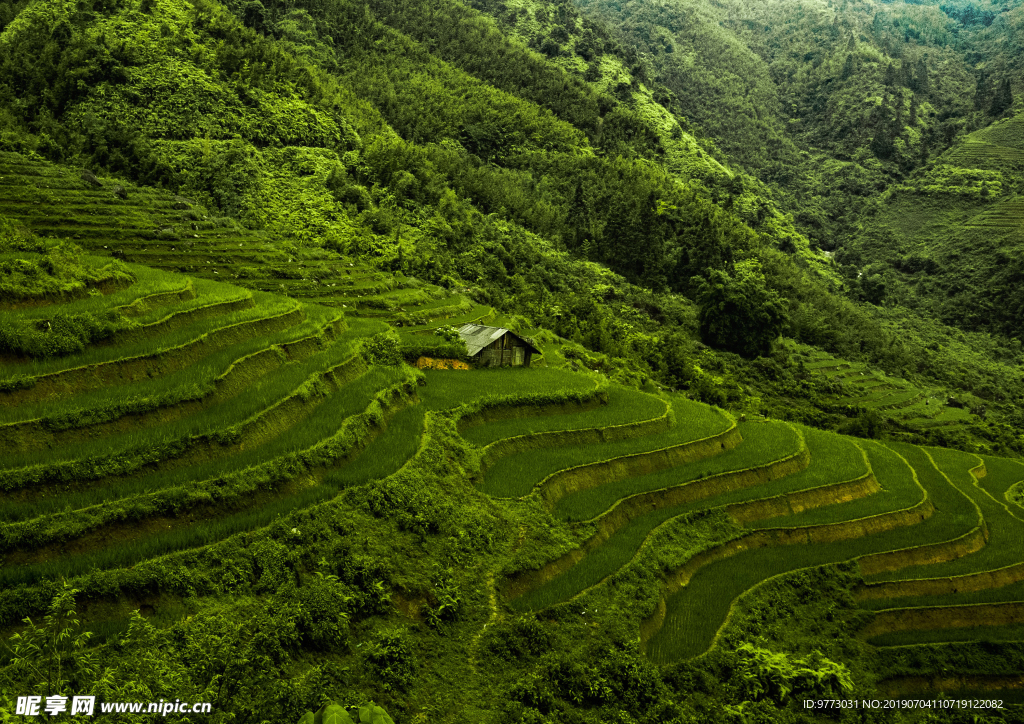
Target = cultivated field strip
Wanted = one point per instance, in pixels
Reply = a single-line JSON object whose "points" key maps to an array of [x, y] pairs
{"points": [[283, 469], [214, 379], [519, 474], [686, 472], [892, 397], [276, 402], [1003, 477], [707, 586], [224, 482], [626, 413], [160, 230], [603, 555], [993, 574]]}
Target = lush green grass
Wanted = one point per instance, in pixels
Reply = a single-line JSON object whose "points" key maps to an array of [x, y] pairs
{"points": [[625, 405], [1012, 592], [894, 398], [763, 443], [516, 475]]}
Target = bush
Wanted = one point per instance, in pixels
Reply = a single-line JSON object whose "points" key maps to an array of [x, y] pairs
{"points": [[61, 335], [383, 349], [324, 619], [391, 660]]}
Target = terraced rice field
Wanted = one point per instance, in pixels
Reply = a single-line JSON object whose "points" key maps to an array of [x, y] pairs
{"points": [[1008, 214], [892, 397], [796, 498], [220, 408], [998, 146], [166, 232]]}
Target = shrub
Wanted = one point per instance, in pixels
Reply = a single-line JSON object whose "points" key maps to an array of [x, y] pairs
{"points": [[391, 660], [324, 619], [63, 334], [383, 349]]}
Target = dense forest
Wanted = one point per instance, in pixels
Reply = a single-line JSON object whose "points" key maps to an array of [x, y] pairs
{"points": [[712, 199]]}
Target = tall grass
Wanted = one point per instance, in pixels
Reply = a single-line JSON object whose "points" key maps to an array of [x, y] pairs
{"points": [[1006, 533], [516, 475], [1012, 592], [1002, 474], [385, 455]]}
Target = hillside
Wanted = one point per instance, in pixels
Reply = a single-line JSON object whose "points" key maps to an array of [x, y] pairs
{"points": [[770, 448], [267, 471]]}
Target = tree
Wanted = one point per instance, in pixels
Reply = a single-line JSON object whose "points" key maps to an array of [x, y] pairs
{"points": [[54, 657], [982, 89], [1003, 98], [738, 311], [847, 67]]}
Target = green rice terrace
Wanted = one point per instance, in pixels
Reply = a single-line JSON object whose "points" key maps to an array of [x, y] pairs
{"points": [[198, 403], [997, 146], [858, 385]]}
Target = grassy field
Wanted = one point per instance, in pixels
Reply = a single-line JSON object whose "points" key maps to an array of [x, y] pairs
{"points": [[1002, 475], [320, 424]]}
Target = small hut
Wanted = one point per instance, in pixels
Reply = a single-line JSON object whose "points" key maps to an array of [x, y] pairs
{"points": [[496, 347]]}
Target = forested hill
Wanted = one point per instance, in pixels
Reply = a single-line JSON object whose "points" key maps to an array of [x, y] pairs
{"points": [[695, 150]]}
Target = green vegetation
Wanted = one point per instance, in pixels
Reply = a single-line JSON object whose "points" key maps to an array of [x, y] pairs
{"points": [[516, 475], [232, 230]]}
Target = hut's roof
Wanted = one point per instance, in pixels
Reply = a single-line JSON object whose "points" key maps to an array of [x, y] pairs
{"points": [[478, 336]]}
